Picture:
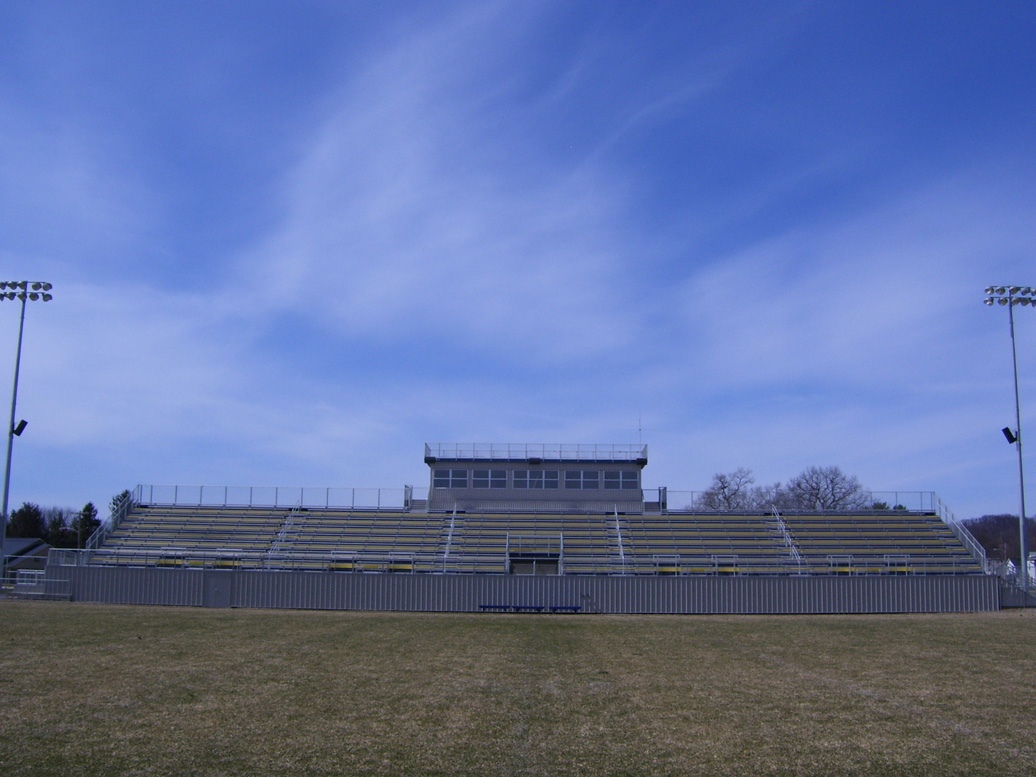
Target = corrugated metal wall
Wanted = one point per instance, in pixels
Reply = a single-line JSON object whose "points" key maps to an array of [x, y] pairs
{"points": [[468, 593]]}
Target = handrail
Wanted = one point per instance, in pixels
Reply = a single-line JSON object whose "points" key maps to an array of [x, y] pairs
{"points": [[449, 538], [289, 523], [962, 533], [618, 534], [786, 536], [120, 511]]}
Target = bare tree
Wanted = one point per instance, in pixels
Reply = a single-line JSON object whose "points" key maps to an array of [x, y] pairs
{"points": [[730, 491], [825, 488], [773, 497]]}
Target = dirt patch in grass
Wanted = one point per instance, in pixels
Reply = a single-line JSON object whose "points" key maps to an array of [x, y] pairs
{"points": [[124, 690]]}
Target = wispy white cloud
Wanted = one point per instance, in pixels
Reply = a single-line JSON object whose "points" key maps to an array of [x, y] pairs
{"points": [[856, 299], [408, 214]]}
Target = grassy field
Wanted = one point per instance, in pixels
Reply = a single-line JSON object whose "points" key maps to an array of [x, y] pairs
{"points": [[98, 690]]}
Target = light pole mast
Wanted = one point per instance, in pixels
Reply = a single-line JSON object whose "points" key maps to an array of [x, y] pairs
{"points": [[25, 291], [1010, 297]]}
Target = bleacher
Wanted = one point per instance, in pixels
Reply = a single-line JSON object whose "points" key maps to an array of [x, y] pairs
{"points": [[402, 541], [525, 509], [249, 537], [897, 542], [191, 536], [358, 541], [700, 544]]}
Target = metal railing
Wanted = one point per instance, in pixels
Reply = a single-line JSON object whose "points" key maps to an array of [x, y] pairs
{"points": [[34, 584], [523, 451], [277, 496], [404, 499]]}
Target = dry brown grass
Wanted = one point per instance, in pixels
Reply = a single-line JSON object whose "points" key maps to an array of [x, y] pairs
{"points": [[124, 690]]}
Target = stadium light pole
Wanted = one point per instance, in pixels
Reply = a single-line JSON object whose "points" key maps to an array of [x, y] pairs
{"points": [[25, 291], [1011, 297]]}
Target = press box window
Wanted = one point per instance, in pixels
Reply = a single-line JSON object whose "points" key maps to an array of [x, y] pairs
{"points": [[489, 478], [536, 478], [625, 479], [583, 479], [450, 478]]}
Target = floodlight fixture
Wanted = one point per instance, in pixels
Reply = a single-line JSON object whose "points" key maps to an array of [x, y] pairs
{"points": [[1012, 297], [24, 291]]}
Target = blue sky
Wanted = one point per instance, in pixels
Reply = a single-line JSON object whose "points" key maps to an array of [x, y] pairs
{"points": [[293, 242]]}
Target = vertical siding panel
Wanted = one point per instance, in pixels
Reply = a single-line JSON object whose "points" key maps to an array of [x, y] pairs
{"points": [[465, 593]]}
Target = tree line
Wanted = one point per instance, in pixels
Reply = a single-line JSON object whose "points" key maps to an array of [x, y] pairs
{"points": [[815, 488], [1000, 535], [60, 527]]}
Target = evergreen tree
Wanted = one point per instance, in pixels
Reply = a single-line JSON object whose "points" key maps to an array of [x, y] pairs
{"points": [[85, 524], [28, 522]]}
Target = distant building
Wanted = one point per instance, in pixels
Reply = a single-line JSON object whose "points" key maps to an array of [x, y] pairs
{"points": [[25, 553]]}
